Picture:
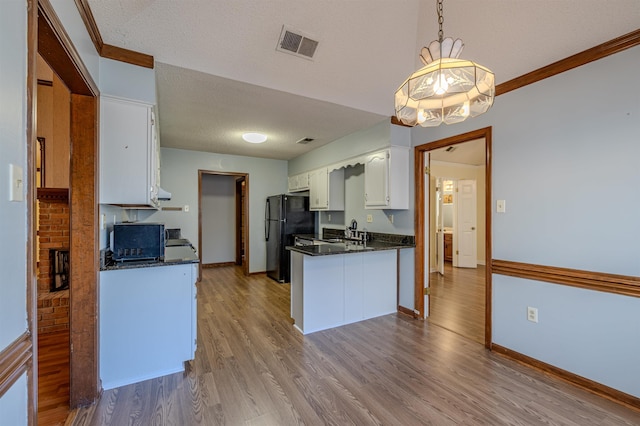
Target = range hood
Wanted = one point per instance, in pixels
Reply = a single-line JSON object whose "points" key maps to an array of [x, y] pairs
{"points": [[163, 194]]}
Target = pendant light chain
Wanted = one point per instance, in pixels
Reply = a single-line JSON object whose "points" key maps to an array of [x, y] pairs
{"points": [[440, 21]]}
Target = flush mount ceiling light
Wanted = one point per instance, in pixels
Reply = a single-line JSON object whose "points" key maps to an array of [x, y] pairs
{"points": [[447, 90], [253, 137]]}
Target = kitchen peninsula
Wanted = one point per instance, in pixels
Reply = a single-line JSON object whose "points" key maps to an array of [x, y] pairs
{"points": [[339, 283]]}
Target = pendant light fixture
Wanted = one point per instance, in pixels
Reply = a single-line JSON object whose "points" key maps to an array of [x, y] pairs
{"points": [[447, 90]]}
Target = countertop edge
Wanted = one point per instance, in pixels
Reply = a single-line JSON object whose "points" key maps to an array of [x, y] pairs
{"points": [[330, 249]]}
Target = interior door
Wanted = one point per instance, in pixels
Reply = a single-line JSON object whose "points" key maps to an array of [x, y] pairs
{"points": [[439, 228], [466, 230]]}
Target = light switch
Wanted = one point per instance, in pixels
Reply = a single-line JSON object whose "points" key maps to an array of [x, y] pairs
{"points": [[16, 183], [501, 206]]}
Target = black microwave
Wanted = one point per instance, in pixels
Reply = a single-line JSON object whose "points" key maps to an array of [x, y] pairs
{"points": [[137, 241]]}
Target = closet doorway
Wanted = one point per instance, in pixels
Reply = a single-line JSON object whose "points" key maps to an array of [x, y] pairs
{"points": [[223, 226]]}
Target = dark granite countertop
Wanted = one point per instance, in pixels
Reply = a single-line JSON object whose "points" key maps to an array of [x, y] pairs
{"points": [[342, 248], [173, 255]]}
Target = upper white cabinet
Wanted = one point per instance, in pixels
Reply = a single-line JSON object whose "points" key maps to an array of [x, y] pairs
{"points": [[299, 182], [386, 179], [326, 189], [128, 153]]}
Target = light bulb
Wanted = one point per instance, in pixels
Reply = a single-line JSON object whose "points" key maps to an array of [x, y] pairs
{"points": [[465, 109], [421, 117], [253, 137]]}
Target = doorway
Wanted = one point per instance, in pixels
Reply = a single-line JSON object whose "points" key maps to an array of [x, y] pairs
{"points": [[443, 294], [223, 225], [457, 238], [49, 39]]}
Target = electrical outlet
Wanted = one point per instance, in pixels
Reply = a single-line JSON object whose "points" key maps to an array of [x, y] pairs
{"points": [[186, 208], [532, 314], [391, 218], [369, 218], [103, 221], [328, 217]]}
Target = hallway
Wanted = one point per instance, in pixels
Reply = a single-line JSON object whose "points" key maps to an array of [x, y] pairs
{"points": [[457, 301]]}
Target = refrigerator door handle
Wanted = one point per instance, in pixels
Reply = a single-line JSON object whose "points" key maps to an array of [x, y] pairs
{"points": [[266, 220]]}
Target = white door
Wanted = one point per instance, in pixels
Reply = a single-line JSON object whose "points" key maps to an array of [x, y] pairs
{"points": [[439, 228], [466, 227], [427, 190]]}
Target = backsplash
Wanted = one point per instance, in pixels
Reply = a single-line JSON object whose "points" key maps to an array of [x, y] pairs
{"points": [[328, 233]]}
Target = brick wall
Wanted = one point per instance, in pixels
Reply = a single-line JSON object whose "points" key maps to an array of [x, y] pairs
{"points": [[53, 233]]}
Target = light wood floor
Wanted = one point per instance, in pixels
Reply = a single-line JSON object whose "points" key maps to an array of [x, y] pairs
{"points": [[53, 378], [457, 300], [253, 368]]}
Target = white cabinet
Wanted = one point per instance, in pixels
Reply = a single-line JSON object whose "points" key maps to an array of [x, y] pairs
{"points": [[128, 153], [330, 291], [147, 322], [386, 179], [326, 189], [299, 182]]}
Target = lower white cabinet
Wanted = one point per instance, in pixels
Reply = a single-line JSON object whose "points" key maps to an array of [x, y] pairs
{"points": [[147, 322], [333, 290]]}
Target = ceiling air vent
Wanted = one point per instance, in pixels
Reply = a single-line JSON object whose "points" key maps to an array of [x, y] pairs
{"points": [[296, 43], [305, 141]]}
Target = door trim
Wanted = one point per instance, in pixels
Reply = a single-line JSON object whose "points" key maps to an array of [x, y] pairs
{"points": [[419, 170], [245, 222], [50, 39]]}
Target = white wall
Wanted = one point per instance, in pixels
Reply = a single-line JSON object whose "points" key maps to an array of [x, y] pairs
{"points": [[127, 81], [13, 227], [565, 159], [218, 219], [179, 175], [67, 12]]}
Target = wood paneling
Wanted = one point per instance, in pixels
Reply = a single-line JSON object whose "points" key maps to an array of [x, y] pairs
{"points": [[584, 383], [83, 284], [253, 367], [598, 281], [53, 124]]}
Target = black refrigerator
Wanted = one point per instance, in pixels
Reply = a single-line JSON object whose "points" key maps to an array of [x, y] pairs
{"points": [[285, 216]]}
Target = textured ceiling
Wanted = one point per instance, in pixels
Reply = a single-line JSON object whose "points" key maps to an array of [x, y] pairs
{"points": [[206, 49]]}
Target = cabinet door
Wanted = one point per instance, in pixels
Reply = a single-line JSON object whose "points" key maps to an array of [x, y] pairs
{"points": [[319, 190], [376, 179], [125, 152], [303, 182], [293, 183]]}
